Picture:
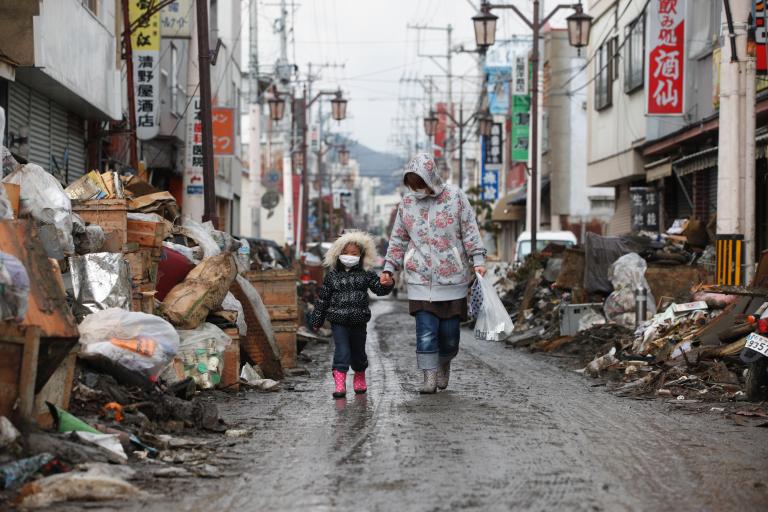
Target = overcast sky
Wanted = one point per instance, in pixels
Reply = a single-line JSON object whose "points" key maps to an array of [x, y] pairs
{"points": [[371, 39]]}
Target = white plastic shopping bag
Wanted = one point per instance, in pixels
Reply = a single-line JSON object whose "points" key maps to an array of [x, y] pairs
{"points": [[493, 322]]}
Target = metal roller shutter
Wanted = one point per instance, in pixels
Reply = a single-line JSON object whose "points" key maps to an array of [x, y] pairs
{"points": [[621, 222], [18, 118], [53, 132]]}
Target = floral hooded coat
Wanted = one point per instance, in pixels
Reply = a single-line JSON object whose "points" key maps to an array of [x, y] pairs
{"points": [[435, 239]]}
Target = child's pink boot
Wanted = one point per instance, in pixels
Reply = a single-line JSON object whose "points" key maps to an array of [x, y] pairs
{"points": [[340, 380], [359, 383]]}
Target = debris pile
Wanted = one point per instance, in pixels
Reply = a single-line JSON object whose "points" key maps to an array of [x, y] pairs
{"points": [[582, 303], [146, 318]]}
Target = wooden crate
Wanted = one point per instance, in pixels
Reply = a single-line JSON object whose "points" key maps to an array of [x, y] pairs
{"points": [[276, 287], [19, 349], [111, 215], [58, 390], [146, 233], [141, 266], [285, 335]]}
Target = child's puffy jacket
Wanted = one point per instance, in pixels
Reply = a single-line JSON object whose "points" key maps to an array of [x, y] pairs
{"points": [[343, 298]]}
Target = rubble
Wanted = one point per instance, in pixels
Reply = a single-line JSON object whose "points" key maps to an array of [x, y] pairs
{"points": [[144, 316], [688, 352]]}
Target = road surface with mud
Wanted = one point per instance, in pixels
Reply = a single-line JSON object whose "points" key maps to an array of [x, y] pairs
{"points": [[512, 432]]}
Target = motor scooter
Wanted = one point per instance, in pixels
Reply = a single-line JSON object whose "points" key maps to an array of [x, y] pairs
{"points": [[755, 356]]}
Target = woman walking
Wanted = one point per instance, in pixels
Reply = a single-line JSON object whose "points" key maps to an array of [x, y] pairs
{"points": [[436, 241]]}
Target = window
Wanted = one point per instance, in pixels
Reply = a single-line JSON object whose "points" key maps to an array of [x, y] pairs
{"points": [[604, 74], [634, 54]]}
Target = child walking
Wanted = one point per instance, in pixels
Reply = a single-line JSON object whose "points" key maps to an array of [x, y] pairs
{"points": [[343, 301]]}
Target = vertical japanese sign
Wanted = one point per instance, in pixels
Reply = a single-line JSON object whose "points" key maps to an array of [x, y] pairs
{"points": [[645, 209], [665, 92], [521, 71], [223, 131], [494, 144], [145, 43], [193, 168], [175, 19], [521, 120]]}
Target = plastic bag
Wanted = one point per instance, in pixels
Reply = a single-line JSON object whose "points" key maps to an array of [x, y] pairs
{"points": [[201, 234], [14, 288], [43, 198], [243, 256], [627, 274], [475, 304], [201, 353], [230, 303], [493, 321], [136, 341]]}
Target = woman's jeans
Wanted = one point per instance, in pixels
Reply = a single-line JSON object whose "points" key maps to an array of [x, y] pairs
{"points": [[349, 347], [437, 340]]}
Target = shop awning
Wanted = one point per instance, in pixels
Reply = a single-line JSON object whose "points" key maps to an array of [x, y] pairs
{"points": [[505, 212], [695, 162], [658, 170], [520, 195]]}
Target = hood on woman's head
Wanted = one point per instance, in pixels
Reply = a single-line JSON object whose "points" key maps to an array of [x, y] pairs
{"points": [[425, 167], [360, 238]]}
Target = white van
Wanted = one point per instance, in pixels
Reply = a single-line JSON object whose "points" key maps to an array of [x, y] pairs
{"points": [[543, 239]]}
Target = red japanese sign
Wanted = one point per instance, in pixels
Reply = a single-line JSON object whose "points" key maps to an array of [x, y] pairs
{"points": [[665, 89], [223, 131], [760, 16]]}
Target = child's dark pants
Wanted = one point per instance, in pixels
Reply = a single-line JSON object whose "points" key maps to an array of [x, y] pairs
{"points": [[349, 343]]}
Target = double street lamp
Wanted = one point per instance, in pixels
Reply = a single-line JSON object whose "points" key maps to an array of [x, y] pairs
{"points": [[579, 25], [276, 113], [485, 125]]}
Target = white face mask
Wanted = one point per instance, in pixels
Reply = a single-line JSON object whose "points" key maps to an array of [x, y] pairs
{"points": [[421, 193], [349, 261]]}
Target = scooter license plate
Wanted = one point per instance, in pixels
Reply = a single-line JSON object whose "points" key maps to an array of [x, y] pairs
{"points": [[757, 343]]}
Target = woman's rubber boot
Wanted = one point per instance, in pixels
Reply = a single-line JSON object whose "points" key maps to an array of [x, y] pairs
{"points": [[340, 380], [359, 383], [443, 374], [430, 382]]}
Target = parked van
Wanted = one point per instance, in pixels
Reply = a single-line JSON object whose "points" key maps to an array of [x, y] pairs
{"points": [[543, 239]]}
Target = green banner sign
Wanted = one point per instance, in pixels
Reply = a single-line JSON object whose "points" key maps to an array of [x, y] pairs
{"points": [[521, 120]]}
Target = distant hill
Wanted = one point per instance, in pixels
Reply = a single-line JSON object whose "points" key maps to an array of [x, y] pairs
{"points": [[385, 166]]}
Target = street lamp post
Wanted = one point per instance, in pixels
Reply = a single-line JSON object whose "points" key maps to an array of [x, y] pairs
{"points": [[579, 24], [338, 112], [430, 128]]}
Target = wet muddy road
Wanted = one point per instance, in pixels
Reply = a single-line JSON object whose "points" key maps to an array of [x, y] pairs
{"points": [[512, 432]]}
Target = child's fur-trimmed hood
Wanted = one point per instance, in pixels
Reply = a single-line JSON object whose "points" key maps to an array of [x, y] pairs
{"points": [[359, 238]]}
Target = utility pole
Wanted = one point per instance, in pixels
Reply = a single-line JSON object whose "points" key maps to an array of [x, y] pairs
{"points": [[254, 145], [204, 60], [131, 91], [736, 154], [447, 69]]}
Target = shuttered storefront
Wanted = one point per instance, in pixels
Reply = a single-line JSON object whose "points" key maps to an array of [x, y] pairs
{"points": [[56, 138], [621, 222]]}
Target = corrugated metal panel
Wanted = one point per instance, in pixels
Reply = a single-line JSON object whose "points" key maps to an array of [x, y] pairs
{"points": [[621, 222], [51, 130], [18, 117], [39, 130]]}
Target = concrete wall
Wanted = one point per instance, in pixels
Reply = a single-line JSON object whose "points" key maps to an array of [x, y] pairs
{"points": [[614, 130], [77, 49]]}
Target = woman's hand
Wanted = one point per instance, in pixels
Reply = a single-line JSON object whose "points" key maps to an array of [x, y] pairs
{"points": [[481, 270], [386, 279]]}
